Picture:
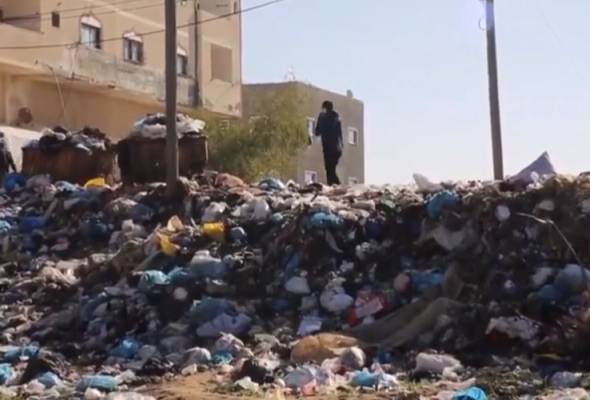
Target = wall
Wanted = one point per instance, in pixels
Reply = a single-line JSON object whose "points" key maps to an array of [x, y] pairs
{"points": [[220, 96], [85, 105], [352, 163], [13, 10], [110, 69]]}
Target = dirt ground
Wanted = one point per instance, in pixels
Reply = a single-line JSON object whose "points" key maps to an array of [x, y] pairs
{"points": [[204, 386]]}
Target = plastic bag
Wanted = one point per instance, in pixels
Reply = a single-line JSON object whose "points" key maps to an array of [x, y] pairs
{"points": [[18, 353], [127, 349], [101, 382], [213, 212], [473, 393], [425, 185], [99, 182], [225, 323], [437, 363], [297, 285], [30, 224], [14, 181], [215, 231], [6, 373], [208, 309], [203, 265], [440, 201], [167, 246], [542, 166], [49, 379], [151, 279]]}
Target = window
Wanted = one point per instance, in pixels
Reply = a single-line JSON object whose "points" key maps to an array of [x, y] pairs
{"points": [[352, 180], [90, 32], [221, 63], [133, 48], [181, 62], [310, 177], [311, 127], [55, 19], [353, 136]]}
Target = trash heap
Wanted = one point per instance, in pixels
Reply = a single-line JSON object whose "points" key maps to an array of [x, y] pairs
{"points": [[56, 139], [301, 290]]}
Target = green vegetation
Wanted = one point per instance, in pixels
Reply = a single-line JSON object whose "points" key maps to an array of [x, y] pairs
{"points": [[266, 145]]}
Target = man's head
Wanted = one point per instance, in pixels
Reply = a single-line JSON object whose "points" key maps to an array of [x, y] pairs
{"points": [[327, 106]]}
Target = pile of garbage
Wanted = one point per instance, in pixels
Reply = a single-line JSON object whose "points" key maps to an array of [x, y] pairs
{"points": [[54, 140], [153, 126], [305, 290]]}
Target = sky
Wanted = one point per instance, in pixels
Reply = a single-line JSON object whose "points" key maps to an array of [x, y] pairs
{"points": [[419, 66]]}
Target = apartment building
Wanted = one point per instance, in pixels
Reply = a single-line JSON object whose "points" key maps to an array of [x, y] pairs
{"points": [[310, 166], [101, 62]]}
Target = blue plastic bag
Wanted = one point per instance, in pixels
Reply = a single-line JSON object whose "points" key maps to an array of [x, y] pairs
{"points": [[127, 349], [29, 224], [5, 227], [322, 220], [293, 265], [150, 279], [473, 393], [271, 184], [440, 201], [208, 309], [550, 294], [222, 358], [141, 213], [365, 379], [425, 280], [6, 372], [67, 187], [95, 229], [238, 234], [203, 265], [21, 352], [100, 382], [49, 379], [179, 275], [14, 180]]}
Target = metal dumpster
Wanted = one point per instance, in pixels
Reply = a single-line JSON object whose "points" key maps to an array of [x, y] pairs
{"points": [[69, 163], [143, 160]]}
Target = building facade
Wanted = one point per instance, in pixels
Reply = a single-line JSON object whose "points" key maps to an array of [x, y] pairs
{"points": [[101, 63], [310, 166]]}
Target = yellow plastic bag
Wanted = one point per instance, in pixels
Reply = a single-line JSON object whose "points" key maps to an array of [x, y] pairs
{"points": [[167, 246], [174, 225], [99, 182], [215, 230]]}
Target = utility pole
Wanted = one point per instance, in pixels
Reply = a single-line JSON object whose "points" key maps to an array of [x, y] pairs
{"points": [[171, 135], [493, 90]]}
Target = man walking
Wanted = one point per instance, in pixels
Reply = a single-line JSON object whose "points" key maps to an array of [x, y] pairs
{"points": [[330, 129]]}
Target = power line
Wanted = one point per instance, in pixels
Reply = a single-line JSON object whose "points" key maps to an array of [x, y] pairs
{"points": [[49, 13], [151, 5], [114, 39]]}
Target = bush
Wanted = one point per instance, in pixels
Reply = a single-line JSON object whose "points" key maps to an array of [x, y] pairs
{"points": [[265, 145]]}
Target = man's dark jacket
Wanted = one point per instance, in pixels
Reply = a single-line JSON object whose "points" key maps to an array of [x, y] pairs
{"points": [[330, 129]]}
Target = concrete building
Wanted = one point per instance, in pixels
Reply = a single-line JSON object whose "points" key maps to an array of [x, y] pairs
{"points": [[310, 167], [101, 62]]}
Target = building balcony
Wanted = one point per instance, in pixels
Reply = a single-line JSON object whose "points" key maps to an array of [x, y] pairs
{"points": [[99, 68]]}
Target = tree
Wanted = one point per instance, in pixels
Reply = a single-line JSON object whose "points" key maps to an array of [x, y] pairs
{"points": [[266, 145]]}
